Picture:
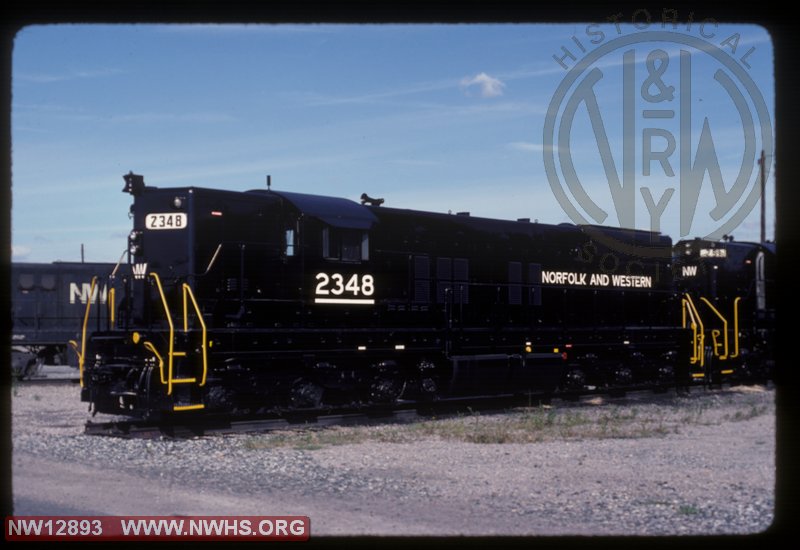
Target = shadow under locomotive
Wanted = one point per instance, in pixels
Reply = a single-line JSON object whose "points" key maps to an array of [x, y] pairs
{"points": [[268, 300]]}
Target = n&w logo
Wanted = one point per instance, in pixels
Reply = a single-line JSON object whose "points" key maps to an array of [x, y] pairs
{"points": [[139, 271], [84, 292], [647, 151]]}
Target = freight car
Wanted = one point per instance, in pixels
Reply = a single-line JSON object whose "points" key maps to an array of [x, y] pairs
{"points": [[48, 306], [242, 301]]}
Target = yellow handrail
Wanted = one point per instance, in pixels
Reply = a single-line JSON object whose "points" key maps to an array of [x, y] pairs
{"points": [[724, 329], [75, 348], [736, 327], [171, 352], [685, 309], [82, 354], [152, 348], [699, 337], [187, 290], [111, 305], [683, 312], [169, 379]]}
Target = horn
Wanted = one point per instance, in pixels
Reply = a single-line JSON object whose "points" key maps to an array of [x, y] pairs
{"points": [[366, 199]]}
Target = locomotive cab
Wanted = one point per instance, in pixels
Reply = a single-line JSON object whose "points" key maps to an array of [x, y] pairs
{"points": [[230, 248], [209, 265]]}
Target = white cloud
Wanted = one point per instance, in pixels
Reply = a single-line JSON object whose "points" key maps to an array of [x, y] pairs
{"points": [[47, 78], [489, 86], [19, 252], [527, 146]]}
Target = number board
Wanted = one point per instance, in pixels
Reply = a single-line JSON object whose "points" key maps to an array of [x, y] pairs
{"points": [[172, 220], [335, 288]]}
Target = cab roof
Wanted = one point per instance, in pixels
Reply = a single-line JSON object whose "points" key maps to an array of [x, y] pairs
{"points": [[334, 211]]}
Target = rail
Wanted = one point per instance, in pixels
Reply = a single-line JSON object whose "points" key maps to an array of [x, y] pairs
{"points": [[264, 422]]}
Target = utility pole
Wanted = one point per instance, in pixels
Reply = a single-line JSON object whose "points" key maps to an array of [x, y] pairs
{"points": [[762, 163]]}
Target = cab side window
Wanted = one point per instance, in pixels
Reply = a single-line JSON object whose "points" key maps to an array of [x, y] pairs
{"points": [[346, 245], [290, 242]]}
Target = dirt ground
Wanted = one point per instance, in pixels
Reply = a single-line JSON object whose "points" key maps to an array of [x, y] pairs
{"points": [[699, 465]]}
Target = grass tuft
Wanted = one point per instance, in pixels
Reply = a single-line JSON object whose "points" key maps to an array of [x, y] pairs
{"points": [[528, 425]]}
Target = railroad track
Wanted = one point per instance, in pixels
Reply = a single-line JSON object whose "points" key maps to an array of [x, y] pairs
{"points": [[44, 380], [224, 424], [49, 374], [218, 424], [205, 424]]}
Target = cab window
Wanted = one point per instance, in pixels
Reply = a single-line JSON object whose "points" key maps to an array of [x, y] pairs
{"points": [[346, 245]]}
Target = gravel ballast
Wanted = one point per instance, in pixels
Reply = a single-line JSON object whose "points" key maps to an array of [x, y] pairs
{"points": [[653, 465]]}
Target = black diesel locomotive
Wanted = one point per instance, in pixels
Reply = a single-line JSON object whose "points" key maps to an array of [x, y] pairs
{"points": [[728, 301], [271, 300]]}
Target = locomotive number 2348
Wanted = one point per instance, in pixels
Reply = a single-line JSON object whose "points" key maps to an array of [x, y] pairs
{"points": [[173, 220], [335, 284]]}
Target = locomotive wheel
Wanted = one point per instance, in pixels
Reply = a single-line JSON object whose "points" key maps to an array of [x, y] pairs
{"points": [[623, 376], [429, 388], [575, 380], [306, 394], [386, 388], [665, 378], [666, 374], [219, 398]]}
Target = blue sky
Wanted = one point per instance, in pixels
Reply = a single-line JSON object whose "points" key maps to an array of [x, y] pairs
{"points": [[431, 117]]}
